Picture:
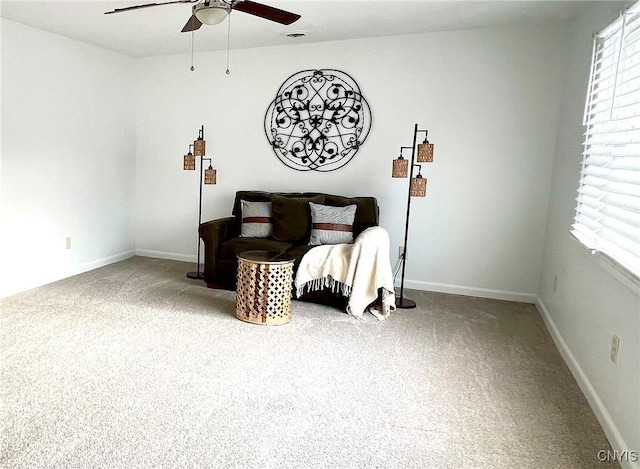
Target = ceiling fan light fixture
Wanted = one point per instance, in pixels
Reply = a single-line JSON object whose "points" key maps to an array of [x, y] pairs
{"points": [[213, 13]]}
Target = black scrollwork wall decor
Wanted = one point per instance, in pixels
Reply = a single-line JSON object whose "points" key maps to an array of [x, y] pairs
{"points": [[318, 120]]}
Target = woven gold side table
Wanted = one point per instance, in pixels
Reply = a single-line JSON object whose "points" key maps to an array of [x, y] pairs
{"points": [[263, 293]]}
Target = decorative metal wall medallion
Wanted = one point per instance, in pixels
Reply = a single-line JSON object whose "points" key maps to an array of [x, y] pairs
{"points": [[318, 120]]}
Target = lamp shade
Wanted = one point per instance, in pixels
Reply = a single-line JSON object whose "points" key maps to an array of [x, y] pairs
{"points": [[199, 147], [425, 152], [210, 14], [400, 168], [189, 162], [210, 176], [418, 186]]}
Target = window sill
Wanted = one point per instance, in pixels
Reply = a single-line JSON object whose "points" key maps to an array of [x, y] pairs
{"points": [[610, 265]]}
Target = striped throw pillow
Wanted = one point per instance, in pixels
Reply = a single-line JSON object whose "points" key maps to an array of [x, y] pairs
{"points": [[257, 219], [331, 225]]}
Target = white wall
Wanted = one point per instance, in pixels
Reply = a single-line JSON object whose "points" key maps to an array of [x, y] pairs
{"points": [[590, 304], [488, 97], [68, 157]]}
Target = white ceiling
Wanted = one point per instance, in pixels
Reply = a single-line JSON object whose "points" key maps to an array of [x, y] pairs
{"points": [[156, 31]]}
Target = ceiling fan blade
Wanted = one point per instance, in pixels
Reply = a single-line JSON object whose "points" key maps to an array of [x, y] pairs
{"points": [[192, 25], [266, 12], [147, 5]]}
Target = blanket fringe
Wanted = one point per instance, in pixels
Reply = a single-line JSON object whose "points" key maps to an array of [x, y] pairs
{"points": [[325, 282]]}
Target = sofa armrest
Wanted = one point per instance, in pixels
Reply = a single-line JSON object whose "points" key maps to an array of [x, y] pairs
{"points": [[213, 233]]}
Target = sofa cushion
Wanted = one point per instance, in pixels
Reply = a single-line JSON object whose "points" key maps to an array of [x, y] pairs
{"points": [[292, 217], [249, 196], [366, 213], [331, 225], [298, 252], [257, 219], [230, 249]]}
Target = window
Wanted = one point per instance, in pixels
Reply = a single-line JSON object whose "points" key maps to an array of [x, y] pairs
{"points": [[607, 218]]}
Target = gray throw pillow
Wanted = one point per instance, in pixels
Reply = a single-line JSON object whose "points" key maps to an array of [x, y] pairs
{"points": [[257, 219], [331, 225]]}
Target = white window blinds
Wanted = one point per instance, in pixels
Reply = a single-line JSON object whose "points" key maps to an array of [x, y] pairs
{"points": [[608, 210]]}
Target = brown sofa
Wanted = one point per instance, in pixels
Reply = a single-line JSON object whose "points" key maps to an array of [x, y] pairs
{"points": [[291, 231]]}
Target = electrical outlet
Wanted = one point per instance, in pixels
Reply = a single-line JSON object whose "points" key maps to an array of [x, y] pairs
{"points": [[68, 242], [555, 283], [615, 347], [400, 252]]}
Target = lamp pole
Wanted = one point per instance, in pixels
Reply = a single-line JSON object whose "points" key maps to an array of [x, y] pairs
{"points": [[199, 149], [401, 301]]}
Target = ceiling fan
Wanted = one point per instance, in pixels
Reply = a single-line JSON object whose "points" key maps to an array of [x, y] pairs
{"points": [[214, 11]]}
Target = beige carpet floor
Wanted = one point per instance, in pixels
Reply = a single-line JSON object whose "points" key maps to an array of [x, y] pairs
{"points": [[135, 366]]}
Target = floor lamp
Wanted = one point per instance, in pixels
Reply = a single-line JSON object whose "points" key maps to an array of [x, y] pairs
{"points": [[417, 188], [199, 149]]}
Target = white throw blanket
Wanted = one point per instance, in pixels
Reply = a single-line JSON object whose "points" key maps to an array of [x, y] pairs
{"points": [[355, 270]]}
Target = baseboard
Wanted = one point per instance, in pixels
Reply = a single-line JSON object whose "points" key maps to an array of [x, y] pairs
{"points": [[471, 291], [79, 269], [102, 262], [610, 428], [166, 255]]}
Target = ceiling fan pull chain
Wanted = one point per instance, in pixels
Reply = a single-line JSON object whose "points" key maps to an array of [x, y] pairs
{"points": [[228, 42], [192, 68]]}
